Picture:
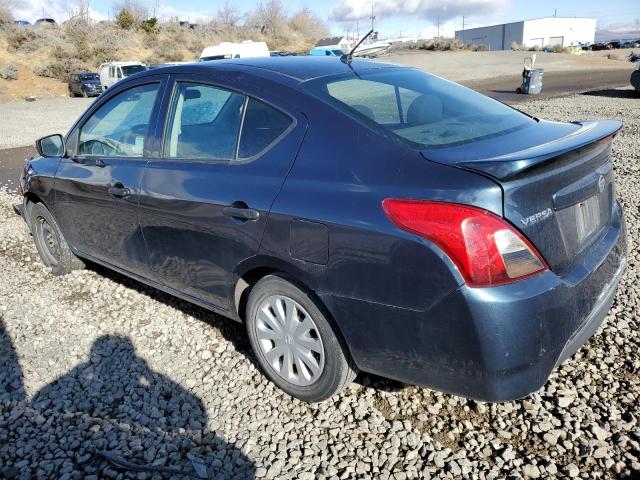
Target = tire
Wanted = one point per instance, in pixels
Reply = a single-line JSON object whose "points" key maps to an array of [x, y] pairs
{"points": [[53, 249], [317, 372]]}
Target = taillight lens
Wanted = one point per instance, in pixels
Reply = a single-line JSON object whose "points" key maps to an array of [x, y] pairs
{"points": [[486, 249]]}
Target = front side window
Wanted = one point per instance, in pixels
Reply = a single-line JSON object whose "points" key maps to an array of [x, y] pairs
{"points": [[204, 122], [120, 126], [422, 110]]}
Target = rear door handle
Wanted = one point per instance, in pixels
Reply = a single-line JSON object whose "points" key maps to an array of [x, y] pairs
{"points": [[120, 192], [245, 213]]}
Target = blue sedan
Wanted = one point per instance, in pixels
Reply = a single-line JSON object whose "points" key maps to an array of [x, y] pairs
{"points": [[355, 216]]}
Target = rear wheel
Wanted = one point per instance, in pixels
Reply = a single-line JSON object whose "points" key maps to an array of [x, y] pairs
{"points": [[295, 344], [53, 249]]}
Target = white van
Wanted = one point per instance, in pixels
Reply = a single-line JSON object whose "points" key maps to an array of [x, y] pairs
{"points": [[226, 50], [111, 72]]}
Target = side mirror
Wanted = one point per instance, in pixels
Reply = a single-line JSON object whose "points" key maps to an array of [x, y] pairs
{"points": [[51, 146]]}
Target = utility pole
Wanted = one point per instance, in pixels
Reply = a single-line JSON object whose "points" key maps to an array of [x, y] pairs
{"points": [[463, 19], [438, 26], [555, 12]]}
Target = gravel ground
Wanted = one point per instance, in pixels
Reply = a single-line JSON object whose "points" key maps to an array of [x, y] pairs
{"points": [[22, 123], [96, 366]]}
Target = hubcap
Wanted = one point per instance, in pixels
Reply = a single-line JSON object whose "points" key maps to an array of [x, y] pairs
{"points": [[290, 340]]}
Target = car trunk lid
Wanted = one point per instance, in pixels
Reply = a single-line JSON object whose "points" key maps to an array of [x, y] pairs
{"points": [[557, 180]]}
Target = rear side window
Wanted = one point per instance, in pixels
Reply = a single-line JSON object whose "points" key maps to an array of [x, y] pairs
{"points": [[420, 109], [204, 122], [120, 126], [262, 126]]}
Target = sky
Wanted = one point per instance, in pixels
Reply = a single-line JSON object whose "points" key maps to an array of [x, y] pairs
{"points": [[393, 17]]}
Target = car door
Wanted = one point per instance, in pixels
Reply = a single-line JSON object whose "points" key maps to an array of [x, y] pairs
{"points": [[97, 186], [204, 203]]}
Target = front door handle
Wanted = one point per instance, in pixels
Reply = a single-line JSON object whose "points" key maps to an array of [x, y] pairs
{"points": [[119, 192], [244, 213]]}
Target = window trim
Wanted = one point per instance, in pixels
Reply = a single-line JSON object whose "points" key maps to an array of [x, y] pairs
{"points": [[234, 161], [76, 130]]}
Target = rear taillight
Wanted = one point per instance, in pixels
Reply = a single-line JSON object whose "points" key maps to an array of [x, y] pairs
{"points": [[486, 249]]}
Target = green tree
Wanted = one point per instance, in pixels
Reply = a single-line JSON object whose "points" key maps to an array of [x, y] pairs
{"points": [[125, 19]]}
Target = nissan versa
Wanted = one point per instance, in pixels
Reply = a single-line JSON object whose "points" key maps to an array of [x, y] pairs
{"points": [[354, 215]]}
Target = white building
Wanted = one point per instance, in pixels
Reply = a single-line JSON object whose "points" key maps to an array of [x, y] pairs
{"points": [[540, 32]]}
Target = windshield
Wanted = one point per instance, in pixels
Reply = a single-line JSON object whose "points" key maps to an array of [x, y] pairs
{"points": [[89, 76], [131, 69], [420, 109]]}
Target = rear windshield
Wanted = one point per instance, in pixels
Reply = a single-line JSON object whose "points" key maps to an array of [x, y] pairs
{"points": [[131, 69], [422, 110]]}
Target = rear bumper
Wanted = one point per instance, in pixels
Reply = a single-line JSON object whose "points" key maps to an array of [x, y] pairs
{"points": [[492, 344]]}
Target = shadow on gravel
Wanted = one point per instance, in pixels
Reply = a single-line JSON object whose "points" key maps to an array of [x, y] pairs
{"points": [[612, 93], [109, 417], [232, 331]]}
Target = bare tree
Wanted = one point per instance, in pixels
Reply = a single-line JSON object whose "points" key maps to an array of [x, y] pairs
{"points": [[308, 24], [269, 18], [228, 15], [6, 11], [137, 8], [81, 14]]}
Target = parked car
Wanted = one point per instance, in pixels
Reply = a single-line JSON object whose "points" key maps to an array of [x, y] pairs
{"points": [[22, 23], [440, 238], [113, 72], [45, 21], [326, 52], [227, 50], [601, 46], [635, 77], [85, 84]]}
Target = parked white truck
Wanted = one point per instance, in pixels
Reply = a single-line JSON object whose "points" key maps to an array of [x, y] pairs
{"points": [[112, 72], [227, 50]]}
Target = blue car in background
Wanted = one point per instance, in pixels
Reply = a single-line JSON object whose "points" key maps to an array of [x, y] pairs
{"points": [[354, 216], [84, 84], [326, 52], [22, 23]]}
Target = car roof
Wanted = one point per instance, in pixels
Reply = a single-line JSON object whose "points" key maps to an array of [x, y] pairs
{"points": [[300, 68]]}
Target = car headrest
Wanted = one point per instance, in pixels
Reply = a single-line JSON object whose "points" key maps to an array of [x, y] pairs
{"points": [[426, 108]]}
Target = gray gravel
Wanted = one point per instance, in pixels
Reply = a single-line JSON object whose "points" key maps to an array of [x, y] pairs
{"points": [[22, 123], [95, 365]]}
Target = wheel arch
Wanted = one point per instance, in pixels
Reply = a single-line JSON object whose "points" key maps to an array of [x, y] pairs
{"points": [[251, 272], [31, 198]]}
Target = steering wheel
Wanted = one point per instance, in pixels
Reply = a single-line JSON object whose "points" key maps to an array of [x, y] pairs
{"points": [[102, 148]]}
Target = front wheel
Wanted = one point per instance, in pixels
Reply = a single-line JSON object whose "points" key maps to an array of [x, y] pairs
{"points": [[53, 249], [294, 343]]}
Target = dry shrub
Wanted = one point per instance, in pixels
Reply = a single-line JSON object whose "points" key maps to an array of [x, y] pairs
{"points": [[10, 72]]}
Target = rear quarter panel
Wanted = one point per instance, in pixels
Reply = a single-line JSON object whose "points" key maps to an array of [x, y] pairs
{"points": [[342, 174]]}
